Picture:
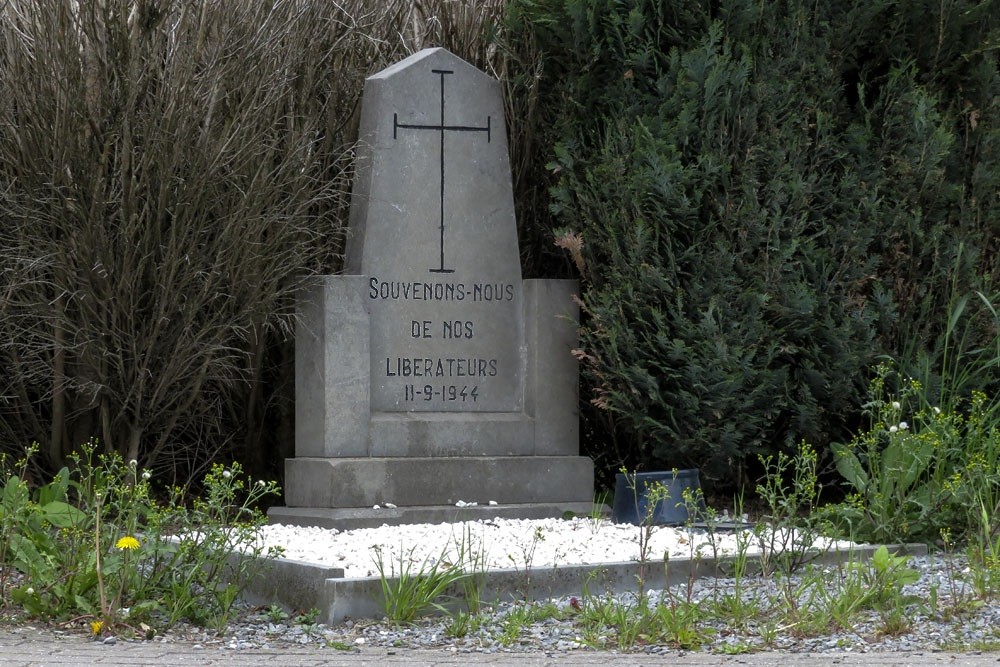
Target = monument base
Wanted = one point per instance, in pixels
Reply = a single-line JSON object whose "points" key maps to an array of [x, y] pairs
{"points": [[419, 481], [351, 518], [343, 492]]}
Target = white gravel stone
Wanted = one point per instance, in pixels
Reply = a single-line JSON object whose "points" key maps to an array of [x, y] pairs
{"points": [[492, 544]]}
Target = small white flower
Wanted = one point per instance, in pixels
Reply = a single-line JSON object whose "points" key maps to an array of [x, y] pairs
{"points": [[261, 483], [133, 463], [146, 475], [29, 590], [896, 405], [937, 410], [893, 429], [226, 474], [903, 426]]}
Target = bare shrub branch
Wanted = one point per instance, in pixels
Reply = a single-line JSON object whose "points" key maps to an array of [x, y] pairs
{"points": [[169, 171]]}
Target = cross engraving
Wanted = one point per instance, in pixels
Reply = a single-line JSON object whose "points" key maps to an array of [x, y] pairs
{"points": [[441, 128]]}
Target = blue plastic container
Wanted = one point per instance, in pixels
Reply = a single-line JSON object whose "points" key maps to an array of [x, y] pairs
{"points": [[631, 500]]}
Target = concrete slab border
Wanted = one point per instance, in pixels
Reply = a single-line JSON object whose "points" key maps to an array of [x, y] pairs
{"points": [[303, 586]]}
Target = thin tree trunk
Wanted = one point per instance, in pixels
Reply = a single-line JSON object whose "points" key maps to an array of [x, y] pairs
{"points": [[57, 428], [253, 454], [106, 433], [134, 438]]}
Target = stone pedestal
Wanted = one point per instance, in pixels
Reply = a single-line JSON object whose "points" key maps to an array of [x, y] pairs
{"points": [[433, 382]]}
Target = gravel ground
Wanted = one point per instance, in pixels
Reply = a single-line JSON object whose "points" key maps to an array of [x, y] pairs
{"points": [[940, 610], [955, 623], [955, 620]]}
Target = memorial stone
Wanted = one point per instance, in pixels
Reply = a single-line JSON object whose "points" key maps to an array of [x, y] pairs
{"points": [[431, 375]]}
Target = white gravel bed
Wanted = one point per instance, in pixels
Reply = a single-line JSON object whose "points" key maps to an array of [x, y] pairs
{"points": [[498, 544]]}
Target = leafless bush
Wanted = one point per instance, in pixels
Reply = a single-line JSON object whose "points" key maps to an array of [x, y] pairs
{"points": [[169, 169]]}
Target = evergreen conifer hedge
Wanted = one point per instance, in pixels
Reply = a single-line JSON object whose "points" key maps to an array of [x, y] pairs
{"points": [[761, 199]]}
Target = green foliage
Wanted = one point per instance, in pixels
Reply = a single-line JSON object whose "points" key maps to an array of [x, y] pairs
{"points": [[919, 468], [647, 499], [608, 622], [95, 542], [755, 601], [16, 511], [677, 623], [408, 593], [760, 198], [836, 599], [275, 614], [790, 491], [888, 574], [307, 618]]}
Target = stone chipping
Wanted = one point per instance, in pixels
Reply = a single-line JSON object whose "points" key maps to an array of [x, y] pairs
{"points": [[942, 612], [969, 626], [956, 618]]}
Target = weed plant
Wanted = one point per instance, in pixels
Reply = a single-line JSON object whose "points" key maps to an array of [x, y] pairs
{"points": [[647, 500], [930, 458], [526, 561], [408, 592], [812, 601], [95, 543], [790, 491], [622, 623], [474, 558], [521, 616], [16, 508], [919, 468], [809, 600]]}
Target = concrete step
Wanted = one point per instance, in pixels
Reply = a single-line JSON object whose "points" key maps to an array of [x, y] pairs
{"points": [[437, 481], [351, 518]]}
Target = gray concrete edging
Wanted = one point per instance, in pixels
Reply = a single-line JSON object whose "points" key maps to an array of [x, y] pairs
{"points": [[304, 586]]}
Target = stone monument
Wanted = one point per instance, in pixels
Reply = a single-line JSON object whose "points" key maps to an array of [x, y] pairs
{"points": [[432, 382]]}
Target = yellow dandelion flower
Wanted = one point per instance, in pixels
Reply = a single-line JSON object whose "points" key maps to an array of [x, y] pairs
{"points": [[96, 627], [128, 542]]}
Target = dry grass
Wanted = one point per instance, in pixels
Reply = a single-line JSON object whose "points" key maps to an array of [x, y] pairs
{"points": [[168, 170]]}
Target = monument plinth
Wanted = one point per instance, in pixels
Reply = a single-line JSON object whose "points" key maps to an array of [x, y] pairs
{"points": [[431, 375]]}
